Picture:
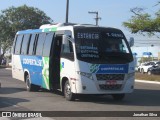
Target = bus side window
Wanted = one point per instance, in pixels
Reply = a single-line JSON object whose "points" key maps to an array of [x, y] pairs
{"points": [[18, 44], [25, 44], [67, 50], [14, 44], [71, 46], [40, 43], [67, 45], [47, 44], [31, 44]]}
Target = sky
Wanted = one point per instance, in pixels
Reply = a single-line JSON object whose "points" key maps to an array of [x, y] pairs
{"points": [[112, 12]]}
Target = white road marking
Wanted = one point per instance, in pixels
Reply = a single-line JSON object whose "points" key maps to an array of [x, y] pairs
{"points": [[10, 104], [145, 81]]}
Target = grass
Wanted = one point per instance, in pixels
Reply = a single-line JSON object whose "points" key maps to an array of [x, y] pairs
{"points": [[147, 77], [3, 66]]}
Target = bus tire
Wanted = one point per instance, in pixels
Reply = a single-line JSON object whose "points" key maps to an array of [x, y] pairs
{"points": [[30, 87], [118, 96], [67, 92]]}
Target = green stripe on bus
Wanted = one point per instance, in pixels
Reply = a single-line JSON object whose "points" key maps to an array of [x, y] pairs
{"points": [[50, 29], [45, 72]]}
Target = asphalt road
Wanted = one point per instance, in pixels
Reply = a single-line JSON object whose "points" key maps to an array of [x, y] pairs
{"points": [[14, 97]]}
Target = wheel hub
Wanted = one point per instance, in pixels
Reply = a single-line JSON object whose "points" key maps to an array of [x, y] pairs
{"points": [[68, 90]]}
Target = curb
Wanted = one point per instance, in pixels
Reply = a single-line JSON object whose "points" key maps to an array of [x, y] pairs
{"points": [[8, 68], [145, 81]]}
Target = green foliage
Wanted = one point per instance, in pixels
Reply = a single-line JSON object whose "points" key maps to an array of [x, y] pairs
{"points": [[143, 22], [146, 59], [14, 19]]}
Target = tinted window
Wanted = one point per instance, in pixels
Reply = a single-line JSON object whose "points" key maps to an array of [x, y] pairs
{"points": [[102, 45], [67, 50], [31, 44], [18, 44], [67, 47], [157, 62], [47, 44], [14, 44], [25, 44], [40, 43]]}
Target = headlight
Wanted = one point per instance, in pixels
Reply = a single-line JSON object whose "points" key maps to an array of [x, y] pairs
{"points": [[88, 75]]}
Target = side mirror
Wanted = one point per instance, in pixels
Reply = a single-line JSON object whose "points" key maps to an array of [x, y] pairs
{"points": [[131, 41]]}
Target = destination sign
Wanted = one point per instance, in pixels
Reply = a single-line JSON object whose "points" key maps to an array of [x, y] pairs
{"points": [[115, 35], [87, 35], [89, 52]]}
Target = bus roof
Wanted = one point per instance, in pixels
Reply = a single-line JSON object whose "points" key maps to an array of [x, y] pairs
{"points": [[53, 27], [29, 31]]}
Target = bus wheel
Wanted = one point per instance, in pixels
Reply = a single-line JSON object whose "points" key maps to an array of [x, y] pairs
{"points": [[67, 92], [30, 87], [118, 96]]}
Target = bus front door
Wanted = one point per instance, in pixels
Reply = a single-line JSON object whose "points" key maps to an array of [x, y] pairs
{"points": [[55, 63]]}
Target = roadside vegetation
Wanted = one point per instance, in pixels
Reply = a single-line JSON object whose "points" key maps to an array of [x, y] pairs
{"points": [[3, 66], [14, 19], [144, 23], [140, 76]]}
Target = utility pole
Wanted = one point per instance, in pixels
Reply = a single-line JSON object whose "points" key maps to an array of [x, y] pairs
{"points": [[0, 47], [0, 55], [97, 18], [67, 11]]}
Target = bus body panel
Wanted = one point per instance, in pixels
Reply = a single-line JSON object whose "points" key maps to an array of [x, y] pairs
{"points": [[68, 71], [17, 68], [36, 66], [93, 85]]}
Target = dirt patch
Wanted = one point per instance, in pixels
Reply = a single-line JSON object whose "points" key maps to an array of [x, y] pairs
{"points": [[147, 77]]}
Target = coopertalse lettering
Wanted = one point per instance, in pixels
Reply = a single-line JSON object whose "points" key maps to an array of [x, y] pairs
{"points": [[113, 68], [32, 62]]}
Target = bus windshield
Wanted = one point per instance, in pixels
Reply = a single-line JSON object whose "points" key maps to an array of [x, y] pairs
{"points": [[102, 46]]}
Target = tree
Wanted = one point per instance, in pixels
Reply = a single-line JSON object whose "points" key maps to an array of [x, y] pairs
{"points": [[145, 59], [143, 22], [14, 19]]}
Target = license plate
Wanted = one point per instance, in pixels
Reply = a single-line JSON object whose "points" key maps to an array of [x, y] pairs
{"points": [[111, 82]]}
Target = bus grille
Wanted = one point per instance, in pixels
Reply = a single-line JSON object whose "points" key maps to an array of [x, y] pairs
{"points": [[110, 76], [110, 87]]}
